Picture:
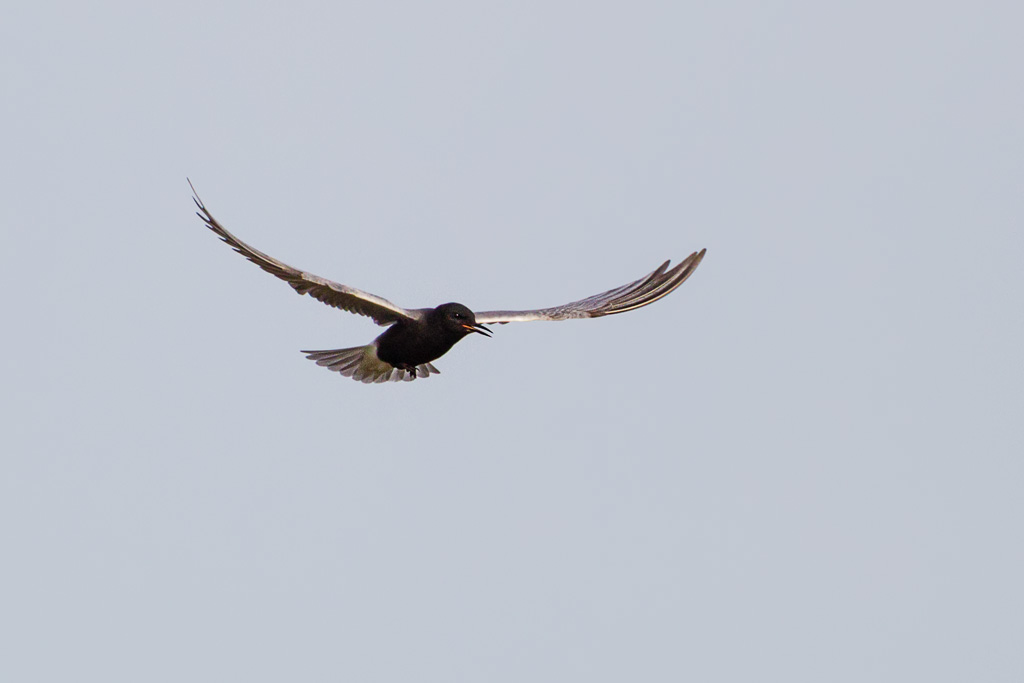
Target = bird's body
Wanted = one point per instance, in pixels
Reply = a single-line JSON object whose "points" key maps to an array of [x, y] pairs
{"points": [[405, 349], [409, 343], [415, 337]]}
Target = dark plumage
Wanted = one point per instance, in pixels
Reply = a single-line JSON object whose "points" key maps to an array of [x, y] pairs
{"points": [[415, 337]]}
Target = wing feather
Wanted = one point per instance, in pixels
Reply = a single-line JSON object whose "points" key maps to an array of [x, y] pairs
{"points": [[648, 289], [331, 293]]}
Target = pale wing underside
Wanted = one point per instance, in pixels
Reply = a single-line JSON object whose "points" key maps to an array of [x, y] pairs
{"points": [[331, 293], [644, 291]]}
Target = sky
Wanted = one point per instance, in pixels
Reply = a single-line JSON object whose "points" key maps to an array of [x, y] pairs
{"points": [[803, 465]]}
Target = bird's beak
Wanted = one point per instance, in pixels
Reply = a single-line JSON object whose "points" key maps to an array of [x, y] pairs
{"points": [[479, 329]]}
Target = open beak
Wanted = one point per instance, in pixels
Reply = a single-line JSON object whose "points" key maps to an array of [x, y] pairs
{"points": [[479, 329]]}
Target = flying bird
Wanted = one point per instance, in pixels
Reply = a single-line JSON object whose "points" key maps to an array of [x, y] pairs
{"points": [[415, 337]]}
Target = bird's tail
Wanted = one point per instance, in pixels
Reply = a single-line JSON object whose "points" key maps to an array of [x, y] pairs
{"points": [[361, 363]]}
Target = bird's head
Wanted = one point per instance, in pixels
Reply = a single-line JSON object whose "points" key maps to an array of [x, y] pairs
{"points": [[458, 318]]}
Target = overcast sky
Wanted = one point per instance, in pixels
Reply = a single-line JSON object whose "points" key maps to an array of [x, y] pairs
{"points": [[806, 464]]}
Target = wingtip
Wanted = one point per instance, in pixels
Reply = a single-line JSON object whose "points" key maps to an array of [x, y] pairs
{"points": [[195, 197], [691, 261]]}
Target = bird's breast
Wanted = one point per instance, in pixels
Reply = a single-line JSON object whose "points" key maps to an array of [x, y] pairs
{"points": [[414, 343]]}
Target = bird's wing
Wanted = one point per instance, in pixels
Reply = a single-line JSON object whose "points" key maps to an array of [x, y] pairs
{"points": [[331, 293], [644, 291]]}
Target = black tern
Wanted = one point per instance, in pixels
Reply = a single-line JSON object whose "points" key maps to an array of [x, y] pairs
{"points": [[417, 336]]}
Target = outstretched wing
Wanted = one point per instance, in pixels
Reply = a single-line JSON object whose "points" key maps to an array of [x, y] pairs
{"points": [[331, 293], [644, 291]]}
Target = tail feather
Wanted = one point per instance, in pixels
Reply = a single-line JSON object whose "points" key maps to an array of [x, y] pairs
{"points": [[362, 364]]}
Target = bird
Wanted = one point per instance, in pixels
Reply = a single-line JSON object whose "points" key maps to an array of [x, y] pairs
{"points": [[417, 336]]}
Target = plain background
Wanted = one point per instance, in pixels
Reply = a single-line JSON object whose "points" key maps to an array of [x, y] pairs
{"points": [[804, 465]]}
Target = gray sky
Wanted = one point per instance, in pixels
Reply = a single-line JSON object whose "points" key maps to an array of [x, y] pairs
{"points": [[804, 465]]}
